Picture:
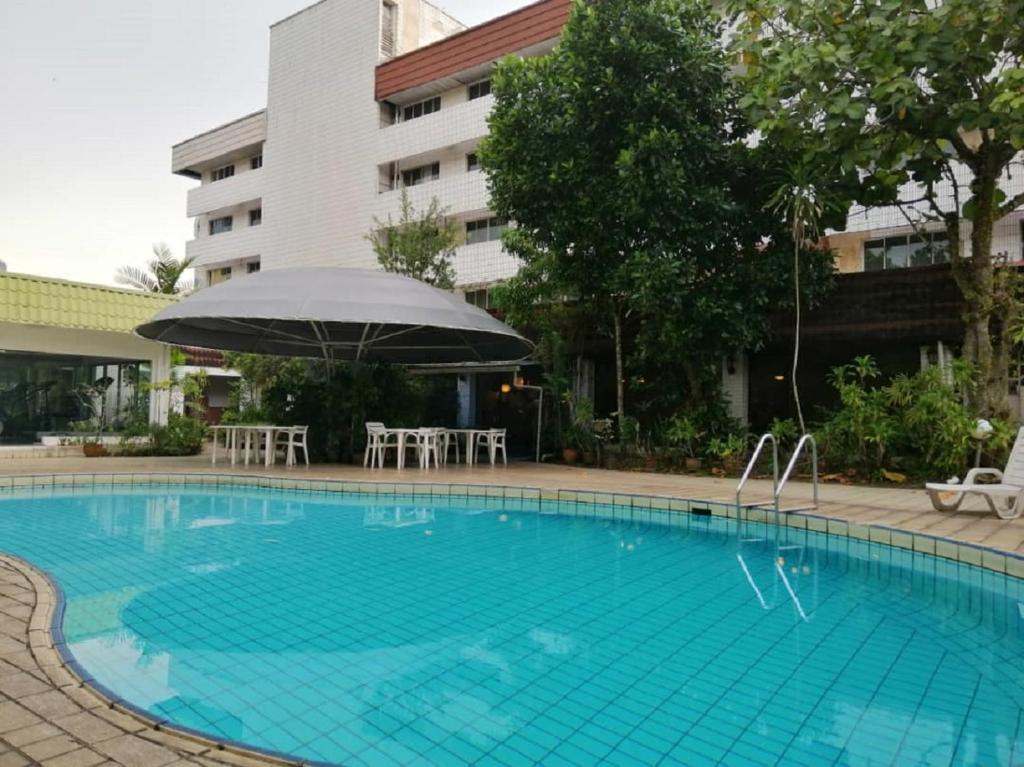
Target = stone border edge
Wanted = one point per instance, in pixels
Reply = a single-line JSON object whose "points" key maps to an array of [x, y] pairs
{"points": [[54, 659]]}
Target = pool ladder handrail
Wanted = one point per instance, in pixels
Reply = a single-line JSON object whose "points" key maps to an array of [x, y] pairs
{"points": [[806, 439], [765, 439]]}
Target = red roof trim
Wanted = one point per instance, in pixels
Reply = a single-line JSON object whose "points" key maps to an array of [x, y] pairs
{"points": [[471, 47]]}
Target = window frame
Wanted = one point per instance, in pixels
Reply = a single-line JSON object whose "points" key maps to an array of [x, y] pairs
{"points": [[221, 225], [255, 216], [876, 252], [492, 227], [256, 162], [422, 108], [421, 174], [222, 173], [479, 89]]}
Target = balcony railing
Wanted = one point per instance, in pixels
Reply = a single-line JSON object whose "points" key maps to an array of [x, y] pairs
{"points": [[460, 123], [243, 242], [244, 187], [460, 193], [483, 263]]}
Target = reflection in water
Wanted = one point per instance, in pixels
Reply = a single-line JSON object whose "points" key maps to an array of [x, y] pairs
{"points": [[396, 516], [346, 633]]}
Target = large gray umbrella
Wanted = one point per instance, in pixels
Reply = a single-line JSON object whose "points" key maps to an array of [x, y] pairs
{"points": [[340, 314]]}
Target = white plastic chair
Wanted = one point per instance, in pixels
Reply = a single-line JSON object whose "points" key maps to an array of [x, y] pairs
{"points": [[1005, 497], [493, 440], [449, 439], [377, 444], [428, 444], [290, 439]]}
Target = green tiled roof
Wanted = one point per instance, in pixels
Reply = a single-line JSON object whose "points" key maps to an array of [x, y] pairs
{"points": [[30, 300]]}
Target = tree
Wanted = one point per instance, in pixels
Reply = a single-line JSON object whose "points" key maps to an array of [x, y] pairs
{"points": [[419, 245], [163, 273], [622, 159], [804, 204], [924, 99]]}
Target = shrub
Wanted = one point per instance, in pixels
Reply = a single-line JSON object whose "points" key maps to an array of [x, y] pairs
{"points": [[916, 423], [182, 435]]}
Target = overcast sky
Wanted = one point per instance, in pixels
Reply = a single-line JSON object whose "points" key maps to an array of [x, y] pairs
{"points": [[93, 96]]}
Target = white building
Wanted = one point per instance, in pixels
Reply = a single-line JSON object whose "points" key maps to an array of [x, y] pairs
{"points": [[364, 96], [367, 96]]}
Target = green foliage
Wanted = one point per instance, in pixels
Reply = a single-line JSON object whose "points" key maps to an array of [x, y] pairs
{"points": [[419, 245], [880, 94], [335, 403], [785, 431], [917, 423], [182, 435], [625, 163], [577, 432], [258, 372], [163, 273], [728, 448], [684, 433], [629, 434]]}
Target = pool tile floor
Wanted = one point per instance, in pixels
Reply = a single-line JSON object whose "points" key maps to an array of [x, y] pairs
{"points": [[48, 718]]}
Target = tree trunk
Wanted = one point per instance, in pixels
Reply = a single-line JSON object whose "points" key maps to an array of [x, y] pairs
{"points": [[620, 384], [985, 347], [796, 335]]}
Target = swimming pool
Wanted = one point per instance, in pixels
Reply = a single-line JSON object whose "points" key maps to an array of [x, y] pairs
{"points": [[380, 629]]}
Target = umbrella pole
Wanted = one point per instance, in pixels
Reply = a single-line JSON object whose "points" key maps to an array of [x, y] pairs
{"points": [[321, 336]]}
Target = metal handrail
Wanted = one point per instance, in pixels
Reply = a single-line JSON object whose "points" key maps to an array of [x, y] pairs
{"points": [[765, 438], [804, 441]]}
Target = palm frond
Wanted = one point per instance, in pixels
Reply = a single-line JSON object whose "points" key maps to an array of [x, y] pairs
{"points": [[135, 277], [163, 273]]}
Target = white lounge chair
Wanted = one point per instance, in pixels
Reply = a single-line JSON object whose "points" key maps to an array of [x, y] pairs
{"points": [[1005, 497]]}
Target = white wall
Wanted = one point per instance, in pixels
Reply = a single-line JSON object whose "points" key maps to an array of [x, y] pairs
{"points": [[322, 121], [736, 387]]}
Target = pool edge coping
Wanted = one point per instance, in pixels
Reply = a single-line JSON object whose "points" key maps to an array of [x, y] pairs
{"points": [[55, 662], [975, 554]]}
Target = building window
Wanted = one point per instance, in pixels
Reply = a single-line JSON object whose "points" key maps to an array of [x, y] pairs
{"points": [[480, 298], [255, 216], [905, 250], [421, 108], [484, 230], [388, 28], [217, 276], [479, 90], [252, 267], [221, 225], [220, 174], [389, 114], [472, 162], [256, 162], [421, 175]]}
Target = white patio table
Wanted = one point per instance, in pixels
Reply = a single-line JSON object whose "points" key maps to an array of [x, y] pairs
{"points": [[402, 435], [247, 432], [470, 435]]}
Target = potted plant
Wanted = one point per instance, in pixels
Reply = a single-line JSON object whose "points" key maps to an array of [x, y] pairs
{"points": [[570, 444], [683, 433], [729, 450], [602, 432], [583, 422], [94, 400]]}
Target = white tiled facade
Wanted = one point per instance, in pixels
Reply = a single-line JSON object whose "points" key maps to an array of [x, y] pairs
{"points": [[330, 155]]}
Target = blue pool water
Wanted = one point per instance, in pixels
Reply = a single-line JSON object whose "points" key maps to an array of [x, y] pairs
{"points": [[389, 630]]}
